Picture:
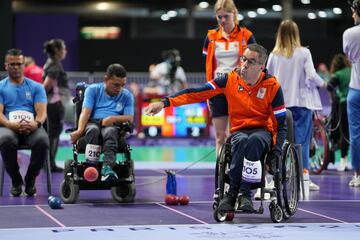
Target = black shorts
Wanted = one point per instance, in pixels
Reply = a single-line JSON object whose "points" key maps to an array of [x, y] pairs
{"points": [[218, 106]]}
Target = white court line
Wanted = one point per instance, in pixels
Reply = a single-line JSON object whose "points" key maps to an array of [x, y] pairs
{"points": [[155, 202], [321, 215], [181, 213], [49, 216]]}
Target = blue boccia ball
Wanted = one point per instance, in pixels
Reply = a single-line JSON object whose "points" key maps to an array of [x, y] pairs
{"points": [[55, 203], [49, 198]]}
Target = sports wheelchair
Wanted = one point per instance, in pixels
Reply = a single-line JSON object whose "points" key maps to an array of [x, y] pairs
{"points": [[284, 197], [122, 190]]}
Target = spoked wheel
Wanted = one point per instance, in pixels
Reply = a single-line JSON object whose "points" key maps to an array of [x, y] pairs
{"points": [[319, 148], [276, 212], [290, 180], [124, 193], [69, 191]]}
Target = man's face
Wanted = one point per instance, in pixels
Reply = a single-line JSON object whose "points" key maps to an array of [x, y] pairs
{"points": [[114, 85], [14, 65], [250, 67]]}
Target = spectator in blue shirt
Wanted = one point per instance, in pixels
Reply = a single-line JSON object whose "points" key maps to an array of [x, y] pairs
{"points": [[22, 113]]}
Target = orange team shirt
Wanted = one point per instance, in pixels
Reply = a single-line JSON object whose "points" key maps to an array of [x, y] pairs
{"points": [[258, 106]]}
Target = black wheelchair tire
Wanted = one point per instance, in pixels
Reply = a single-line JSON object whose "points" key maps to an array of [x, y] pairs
{"points": [[124, 193], [69, 191], [290, 199]]}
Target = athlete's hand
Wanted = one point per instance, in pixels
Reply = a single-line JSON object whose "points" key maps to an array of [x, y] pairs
{"points": [[154, 108]]}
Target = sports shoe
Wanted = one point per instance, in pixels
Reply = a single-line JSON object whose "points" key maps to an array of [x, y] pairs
{"points": [[227, 204], [16, 188], [107, 174], [313, 186], [30, 189], [245, 203], [342, 165], [355, 181]]}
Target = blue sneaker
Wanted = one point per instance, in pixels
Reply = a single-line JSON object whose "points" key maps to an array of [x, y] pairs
{"points": [[107, 174]]}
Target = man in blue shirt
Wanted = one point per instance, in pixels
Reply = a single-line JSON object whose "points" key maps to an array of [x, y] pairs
{"points": [[105, 104], [22, 113]]}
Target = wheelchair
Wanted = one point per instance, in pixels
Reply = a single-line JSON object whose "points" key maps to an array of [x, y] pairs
{"points": [[122, 190], [284, 197]]}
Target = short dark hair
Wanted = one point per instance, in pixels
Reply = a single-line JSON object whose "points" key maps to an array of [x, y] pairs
{"points": [[115, 69], [355, 4], [260, 50], [13, 52]]}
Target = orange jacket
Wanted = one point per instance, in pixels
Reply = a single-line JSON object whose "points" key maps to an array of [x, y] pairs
{"points": [[240, 34], [257, 106]]}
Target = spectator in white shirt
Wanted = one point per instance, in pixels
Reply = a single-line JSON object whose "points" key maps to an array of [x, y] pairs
{"points": [[293, 66]]}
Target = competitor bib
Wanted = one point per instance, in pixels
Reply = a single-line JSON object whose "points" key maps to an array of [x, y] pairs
{"points": [[252, 171], [20, 115], [92, 152]]}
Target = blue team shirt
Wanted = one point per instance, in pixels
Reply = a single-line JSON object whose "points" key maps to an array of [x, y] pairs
{"points": [[103, 105], [21, 97]]}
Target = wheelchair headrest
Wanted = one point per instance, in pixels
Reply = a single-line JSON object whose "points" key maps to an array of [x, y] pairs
{"points": [[79, 91]]}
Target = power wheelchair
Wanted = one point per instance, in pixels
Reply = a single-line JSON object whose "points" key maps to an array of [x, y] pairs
{"points": [[284, 197], [123, 189]]}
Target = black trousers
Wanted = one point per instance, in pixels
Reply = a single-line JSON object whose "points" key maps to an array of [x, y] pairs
{"points": [[10, 141]]}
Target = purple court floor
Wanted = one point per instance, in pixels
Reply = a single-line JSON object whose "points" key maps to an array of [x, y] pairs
{"points": [[334, 203]]}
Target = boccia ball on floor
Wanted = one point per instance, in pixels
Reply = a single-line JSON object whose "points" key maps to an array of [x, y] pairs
{"points": [[184, 200], [54, 202], [91, 174], [171, 199]]}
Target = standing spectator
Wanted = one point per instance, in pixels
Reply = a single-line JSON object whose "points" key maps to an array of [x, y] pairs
{"points": [[57, 89], [351, 46], [293, 66], [33, 71], [222, 49], [22, 113], [339, 86], [168, 76]]}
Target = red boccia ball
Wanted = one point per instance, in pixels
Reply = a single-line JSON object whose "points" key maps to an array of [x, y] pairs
{"points": [[184, 200], [171, 199], [91, 174]]}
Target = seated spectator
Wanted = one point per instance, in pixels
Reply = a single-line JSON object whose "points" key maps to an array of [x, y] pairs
{"points": [[22, 113]]}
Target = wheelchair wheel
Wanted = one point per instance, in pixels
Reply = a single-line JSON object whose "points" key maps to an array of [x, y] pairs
{"points": [[290, 179], [218, 216], [124, 193], [69, 191], [276, 213], [319, 148], [223, 178]]}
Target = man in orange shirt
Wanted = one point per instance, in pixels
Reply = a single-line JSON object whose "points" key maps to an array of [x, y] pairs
{"points": [[257, 118]]}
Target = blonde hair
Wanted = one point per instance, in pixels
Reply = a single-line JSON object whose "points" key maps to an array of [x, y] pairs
{"points": [[227, 6], [287, 38]]}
